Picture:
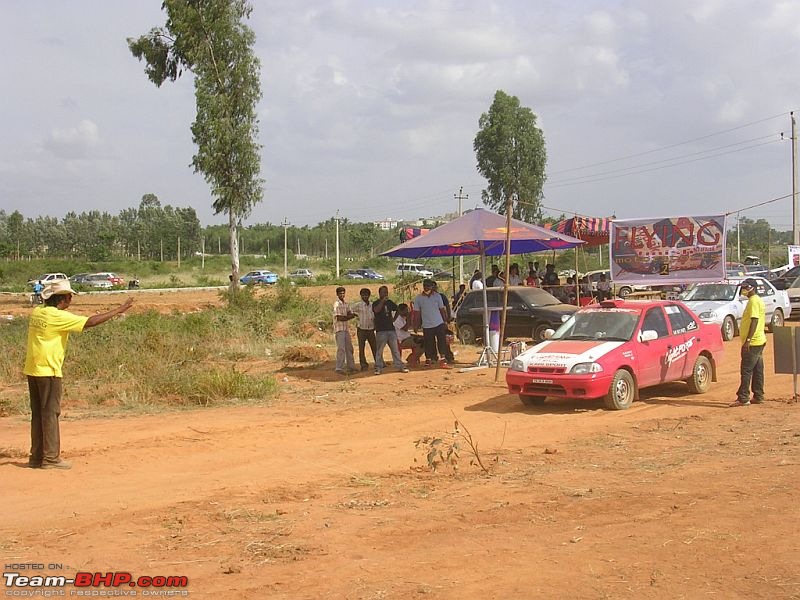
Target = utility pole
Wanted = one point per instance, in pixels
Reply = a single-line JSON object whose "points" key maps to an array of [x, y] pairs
{"points": [[179, 252], [738, 237], [337, 244], [795, 210], [285, 265], [203, 253], [459, 197]]}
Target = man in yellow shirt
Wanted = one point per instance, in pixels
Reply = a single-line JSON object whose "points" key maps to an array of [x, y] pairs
{"points": [[753, 341], [48, 333]]}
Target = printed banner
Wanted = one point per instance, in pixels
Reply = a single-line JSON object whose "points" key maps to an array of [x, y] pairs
{"points": [[794, 256], [668, 250]]}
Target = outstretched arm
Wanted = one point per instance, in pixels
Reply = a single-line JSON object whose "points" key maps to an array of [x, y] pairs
{"points": [[95, 320]]}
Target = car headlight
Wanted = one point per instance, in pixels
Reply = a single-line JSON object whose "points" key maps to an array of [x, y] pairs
{"points": [[517, 365], [584, 368], [709, 315]]}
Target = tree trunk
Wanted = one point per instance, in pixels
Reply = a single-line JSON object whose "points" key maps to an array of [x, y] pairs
{"points": [[234, 250]]}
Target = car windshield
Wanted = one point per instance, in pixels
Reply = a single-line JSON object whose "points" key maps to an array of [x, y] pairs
{"points": [[598, 324], [714, 292]]}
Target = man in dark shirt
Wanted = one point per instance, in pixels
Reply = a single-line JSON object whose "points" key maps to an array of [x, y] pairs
{"points": [[385, 311]]}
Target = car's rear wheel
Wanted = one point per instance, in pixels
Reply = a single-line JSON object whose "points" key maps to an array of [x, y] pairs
{"points": [[620, 394], [467, 333], [537, 335], [531, 400], [624, 291], [728, 328], [700, 380], [777, 320]]}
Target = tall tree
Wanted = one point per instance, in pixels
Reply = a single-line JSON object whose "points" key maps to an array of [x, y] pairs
{"points": [[511, 156], [209, 38]]}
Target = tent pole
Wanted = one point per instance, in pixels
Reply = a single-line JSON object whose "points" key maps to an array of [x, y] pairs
{"points": [[505, 289]]}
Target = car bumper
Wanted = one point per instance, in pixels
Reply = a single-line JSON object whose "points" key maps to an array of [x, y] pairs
{"points": [[593, 385]]}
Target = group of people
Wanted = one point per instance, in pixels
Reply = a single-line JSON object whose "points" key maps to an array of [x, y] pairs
{"points": [[383, 323], [573, 288]]}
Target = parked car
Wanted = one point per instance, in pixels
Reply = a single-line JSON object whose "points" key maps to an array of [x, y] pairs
{"points": [[785, 280], [531, 312], [721, 304], [443, 274], [413, 270], [47, 278], [259, 278], [370, 274], [621, 290], [115, 279], [614, 349], [97, 281], [793, 291], [353, 274], [302, 274], [79, 278]]}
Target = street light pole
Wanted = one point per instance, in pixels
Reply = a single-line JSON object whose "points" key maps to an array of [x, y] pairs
{"points": [[337, 244], [795, 211], [285, 229], [459, 197]]}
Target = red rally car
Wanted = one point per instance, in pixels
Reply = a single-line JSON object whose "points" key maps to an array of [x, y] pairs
{"points": [[613, 349]]}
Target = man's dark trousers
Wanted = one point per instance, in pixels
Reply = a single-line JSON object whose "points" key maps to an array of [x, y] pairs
{"points": [[751, 370], [45, 395]]}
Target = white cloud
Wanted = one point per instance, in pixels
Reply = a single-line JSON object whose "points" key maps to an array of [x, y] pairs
{"points": [[74, 143]]}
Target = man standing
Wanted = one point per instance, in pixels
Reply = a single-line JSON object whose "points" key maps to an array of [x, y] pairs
{"points": [[365, 330], [385, 312], [48, 333], [433, 313], [753, 341], [344, 344], [495, 279]]}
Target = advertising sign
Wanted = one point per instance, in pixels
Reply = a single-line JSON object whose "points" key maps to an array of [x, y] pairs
{"points": [[668, 250], [794, 256]]}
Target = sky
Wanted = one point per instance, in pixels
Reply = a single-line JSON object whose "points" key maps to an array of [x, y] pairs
{"points": [[649, 108]]}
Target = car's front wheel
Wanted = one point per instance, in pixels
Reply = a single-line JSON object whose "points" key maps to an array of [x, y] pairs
{"points": [[728, 328], [777, 320], [620, 394], [537, 335], [467, 333], [624, 291]]}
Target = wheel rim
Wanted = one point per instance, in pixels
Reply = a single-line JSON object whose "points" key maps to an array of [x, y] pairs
{"points": [[467, 334], [727, 328], [777, 319], [622, 390], [701, 373]]}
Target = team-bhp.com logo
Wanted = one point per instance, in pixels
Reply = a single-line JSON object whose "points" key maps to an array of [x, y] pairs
{"points": [[121, 583]]}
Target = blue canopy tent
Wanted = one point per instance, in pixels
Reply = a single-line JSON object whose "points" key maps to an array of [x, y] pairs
{"points": [[482, 233]]}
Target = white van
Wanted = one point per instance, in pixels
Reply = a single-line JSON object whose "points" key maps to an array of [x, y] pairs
{"points": [[413, 270]]}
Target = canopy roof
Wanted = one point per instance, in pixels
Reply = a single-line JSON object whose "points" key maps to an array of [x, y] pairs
{"points": [[482, 232], [593, 230]]}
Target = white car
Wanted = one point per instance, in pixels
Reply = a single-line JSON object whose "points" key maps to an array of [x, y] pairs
{"points": [[722, 304], [48, 278], [302, 274], [620, 289]]}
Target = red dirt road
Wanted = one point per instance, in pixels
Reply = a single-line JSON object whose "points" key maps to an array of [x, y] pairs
{"points": [[322, 494]]}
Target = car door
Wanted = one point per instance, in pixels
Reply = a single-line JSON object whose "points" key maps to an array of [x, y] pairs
{"points": [[685, 326], [519, 322], [770, 298], [656, 364]]}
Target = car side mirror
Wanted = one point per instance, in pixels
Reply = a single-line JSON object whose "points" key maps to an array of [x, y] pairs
{"points": [[548, 333], [648, 335]]}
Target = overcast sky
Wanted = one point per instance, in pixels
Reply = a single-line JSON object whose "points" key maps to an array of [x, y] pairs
{"points": [[371, 107]]}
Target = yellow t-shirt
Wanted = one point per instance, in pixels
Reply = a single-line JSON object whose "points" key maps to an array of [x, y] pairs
{"points": [[754, 309], [48, 332]]}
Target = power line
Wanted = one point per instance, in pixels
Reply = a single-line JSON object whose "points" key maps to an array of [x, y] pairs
{"points": [[662, 167], [646, 152], [674, 158]]}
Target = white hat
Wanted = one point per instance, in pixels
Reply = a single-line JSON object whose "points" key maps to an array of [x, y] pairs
{"points": [[55, 288]]}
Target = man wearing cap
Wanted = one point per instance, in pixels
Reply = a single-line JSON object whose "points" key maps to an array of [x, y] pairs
{"points": [[753, 341], [48, 333]]}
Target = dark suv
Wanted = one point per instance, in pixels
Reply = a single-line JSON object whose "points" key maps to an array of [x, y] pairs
{"points": [[530, 312]]}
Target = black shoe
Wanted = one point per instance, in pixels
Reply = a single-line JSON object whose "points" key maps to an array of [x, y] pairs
{"points": [[364, 367]]}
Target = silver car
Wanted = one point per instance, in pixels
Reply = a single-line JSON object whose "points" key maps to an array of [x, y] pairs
{"points": [[722, 304]]}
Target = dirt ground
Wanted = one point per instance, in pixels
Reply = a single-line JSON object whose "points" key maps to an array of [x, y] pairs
{"points": [[323, 494]]}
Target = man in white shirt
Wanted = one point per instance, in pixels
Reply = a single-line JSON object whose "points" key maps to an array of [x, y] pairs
{"points": [[365, 330], [341, 331]]}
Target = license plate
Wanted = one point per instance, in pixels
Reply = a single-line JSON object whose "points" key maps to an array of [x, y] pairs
{"points": [[547, 381]]}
